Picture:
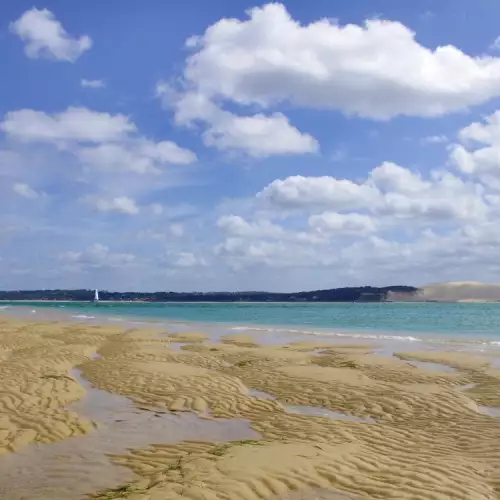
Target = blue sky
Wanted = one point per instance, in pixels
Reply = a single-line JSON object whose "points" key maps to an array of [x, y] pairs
{"points": [[236, 145]]}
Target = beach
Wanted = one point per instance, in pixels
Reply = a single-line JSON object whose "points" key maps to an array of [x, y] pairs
{"points": [[104, 411]]}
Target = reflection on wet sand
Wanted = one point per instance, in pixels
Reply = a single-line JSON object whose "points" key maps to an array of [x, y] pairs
{"points": [[77, 466], [146, 421]]}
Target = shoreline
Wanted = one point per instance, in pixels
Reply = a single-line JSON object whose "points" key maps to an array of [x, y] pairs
{"points": [[468, 341], [320, 416], [298, 302]]}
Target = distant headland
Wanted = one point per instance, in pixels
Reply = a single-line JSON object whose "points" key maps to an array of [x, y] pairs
{"points": [[347, 294], [460, 291]]}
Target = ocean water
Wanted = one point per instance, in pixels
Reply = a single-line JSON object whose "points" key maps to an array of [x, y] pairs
{"points": [[475, 323]]}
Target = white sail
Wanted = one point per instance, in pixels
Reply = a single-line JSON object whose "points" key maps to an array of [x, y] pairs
{"points": [[96, 296]]}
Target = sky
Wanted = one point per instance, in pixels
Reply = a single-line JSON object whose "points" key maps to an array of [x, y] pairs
{"points": [[235, 145]]}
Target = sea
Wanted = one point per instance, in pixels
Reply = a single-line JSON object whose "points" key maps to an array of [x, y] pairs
{"points": [[471, 326]]}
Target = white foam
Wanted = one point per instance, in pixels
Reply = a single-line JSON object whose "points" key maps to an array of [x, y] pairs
{"points": [[406, 338], [82, 316]]}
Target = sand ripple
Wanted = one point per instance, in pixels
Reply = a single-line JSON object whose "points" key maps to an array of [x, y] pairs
{"points": [[417, 435]]}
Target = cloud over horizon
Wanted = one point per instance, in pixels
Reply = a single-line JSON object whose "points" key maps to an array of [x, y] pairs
{"points": [[270, 151]]}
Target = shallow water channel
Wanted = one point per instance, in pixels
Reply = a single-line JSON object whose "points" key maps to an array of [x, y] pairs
{"points": [[435, 367], [311, 411], [78, 466]]}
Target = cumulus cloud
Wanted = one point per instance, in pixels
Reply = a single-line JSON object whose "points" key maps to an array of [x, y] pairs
{"points": [[25, 191], [97, 139], [140, 156], [389, 190], [352, 223], [241, 253], [236, 226], [73, 124], [188, 259], [92, 84], [377, 70], [96, 256], [240, 71], [302, 192], [258, 135], [478, 152], [375, 259], [122, 204], [393, 214], [469, 249], [45, 37]]}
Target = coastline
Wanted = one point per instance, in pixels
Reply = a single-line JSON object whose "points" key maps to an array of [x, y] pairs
{"points": [[299, 302], [178, 316], [339, 413]]}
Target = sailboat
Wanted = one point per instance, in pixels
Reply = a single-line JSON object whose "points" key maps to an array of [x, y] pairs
{"points": [[96, 296]]}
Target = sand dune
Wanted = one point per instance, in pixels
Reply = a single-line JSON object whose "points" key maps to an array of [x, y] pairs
{"points": [[417, 435], [458, 291]]}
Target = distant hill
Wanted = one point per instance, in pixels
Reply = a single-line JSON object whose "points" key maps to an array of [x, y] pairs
{"points": [[347, 294], [457, 291]]}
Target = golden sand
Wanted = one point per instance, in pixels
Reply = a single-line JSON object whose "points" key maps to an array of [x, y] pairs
{"points": [[186, 337], [428, 440]]}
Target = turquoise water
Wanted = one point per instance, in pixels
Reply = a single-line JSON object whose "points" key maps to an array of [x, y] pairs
{"points": [[443, 320]]}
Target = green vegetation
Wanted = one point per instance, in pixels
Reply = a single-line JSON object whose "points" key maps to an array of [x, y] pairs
{"points": [[349, 294]]}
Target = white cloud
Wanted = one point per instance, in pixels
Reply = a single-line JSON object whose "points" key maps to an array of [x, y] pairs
{"points": [[469, 250], [237, 226], [391, 177], [118, 157], [395, 221], [44, 36], [435, 139], [167, 152], [302, 192], [485, 133], [258, 135], [96, 256], [140, 156], [92, 84], [479, 153], [25, 191], [352, 223], [389, 190], [97, 139], [188, 259], [496, 44], [240, 253], [122, 204], [264, 242], [377, 70], [74, 124]]}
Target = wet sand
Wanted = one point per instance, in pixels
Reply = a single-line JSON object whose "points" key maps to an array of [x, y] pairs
{"points": [[100, 412]]}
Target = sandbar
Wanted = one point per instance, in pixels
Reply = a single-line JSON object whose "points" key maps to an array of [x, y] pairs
{"points": [[410, 432]]}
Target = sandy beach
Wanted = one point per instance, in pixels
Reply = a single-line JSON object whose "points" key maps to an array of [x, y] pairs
{"points": [[99, 411]]}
